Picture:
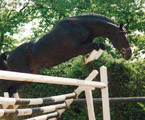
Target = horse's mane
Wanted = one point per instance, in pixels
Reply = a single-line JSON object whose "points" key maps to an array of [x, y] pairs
{"points": [[98, 16]]}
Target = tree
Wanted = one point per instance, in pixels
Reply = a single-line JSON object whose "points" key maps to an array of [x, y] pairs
{"points": [[12, 15]]}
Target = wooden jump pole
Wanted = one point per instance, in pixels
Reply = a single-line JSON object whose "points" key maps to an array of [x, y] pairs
{"points": [[112, 100], [90, 105], [30, 111], [93, 56], [45, 117], [25, 77], [36, 101], [105, 94]]}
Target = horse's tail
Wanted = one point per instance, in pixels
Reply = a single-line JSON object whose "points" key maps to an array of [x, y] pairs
{"points": [[3, 60], [4, 55]]}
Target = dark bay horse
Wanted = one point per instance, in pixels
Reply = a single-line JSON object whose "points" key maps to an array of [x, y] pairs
{"points": [[69, 38]]}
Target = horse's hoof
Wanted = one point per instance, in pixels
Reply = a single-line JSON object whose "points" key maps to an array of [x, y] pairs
{"points": [[102, 46], [96, 46]]}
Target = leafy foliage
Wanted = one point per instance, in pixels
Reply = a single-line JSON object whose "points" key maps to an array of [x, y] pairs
{"points": [[126, 78]]}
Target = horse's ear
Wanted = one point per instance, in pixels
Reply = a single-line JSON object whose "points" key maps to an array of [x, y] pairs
{"points": [[121, 26], [126, 26], [6, 53]]}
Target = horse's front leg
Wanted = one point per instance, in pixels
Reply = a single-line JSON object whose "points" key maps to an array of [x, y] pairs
{"points": [[87, 48], [84, 49]]}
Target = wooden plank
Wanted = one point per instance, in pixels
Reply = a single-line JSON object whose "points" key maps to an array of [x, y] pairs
{"points": [[25, 77]]}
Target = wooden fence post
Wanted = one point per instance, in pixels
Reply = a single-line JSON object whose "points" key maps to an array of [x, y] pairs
{"points": [[105, 94]]}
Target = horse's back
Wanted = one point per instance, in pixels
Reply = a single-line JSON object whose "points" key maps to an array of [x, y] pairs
{"points": [[55, 47]]}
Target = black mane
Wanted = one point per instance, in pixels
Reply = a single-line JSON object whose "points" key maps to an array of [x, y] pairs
{"points": [[98, 16]]}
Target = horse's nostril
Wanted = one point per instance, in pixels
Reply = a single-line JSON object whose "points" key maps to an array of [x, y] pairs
{"points": [[128, 53], [123, 50]]}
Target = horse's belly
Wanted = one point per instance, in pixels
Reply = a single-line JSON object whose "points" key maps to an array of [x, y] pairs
{"points": [[49, 58]]}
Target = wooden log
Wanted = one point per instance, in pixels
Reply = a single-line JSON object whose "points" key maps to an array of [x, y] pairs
{"points": [[25, 77]]}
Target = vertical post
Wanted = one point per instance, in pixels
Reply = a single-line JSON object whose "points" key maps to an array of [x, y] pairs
{"points": [[16, 95], [6, 94], [105, 94], [90, 106], [80, 89], [93, 56]]}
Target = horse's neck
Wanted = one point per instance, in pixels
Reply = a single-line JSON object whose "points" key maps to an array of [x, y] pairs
{"points": [[104, 29]]}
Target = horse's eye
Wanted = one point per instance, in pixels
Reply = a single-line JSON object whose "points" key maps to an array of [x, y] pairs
{"points": [[123, 33]]}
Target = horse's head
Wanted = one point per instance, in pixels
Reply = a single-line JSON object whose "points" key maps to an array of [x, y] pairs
{"points": [[120, 42], [3, 62]]}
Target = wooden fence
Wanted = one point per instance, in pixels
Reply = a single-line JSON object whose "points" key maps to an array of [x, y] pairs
{"points": [[56, 105]]}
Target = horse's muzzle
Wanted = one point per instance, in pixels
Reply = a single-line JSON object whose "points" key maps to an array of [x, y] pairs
{"points": [[126, 52]]}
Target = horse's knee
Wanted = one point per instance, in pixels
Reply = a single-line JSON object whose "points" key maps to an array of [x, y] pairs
{"points": [[98, 46], [102, 46]]}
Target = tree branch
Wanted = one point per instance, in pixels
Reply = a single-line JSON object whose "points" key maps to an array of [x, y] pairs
{"points": [[1, 3], [10, 13], [1, 44], [41, 6], [23, 7], [2, 38]]}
